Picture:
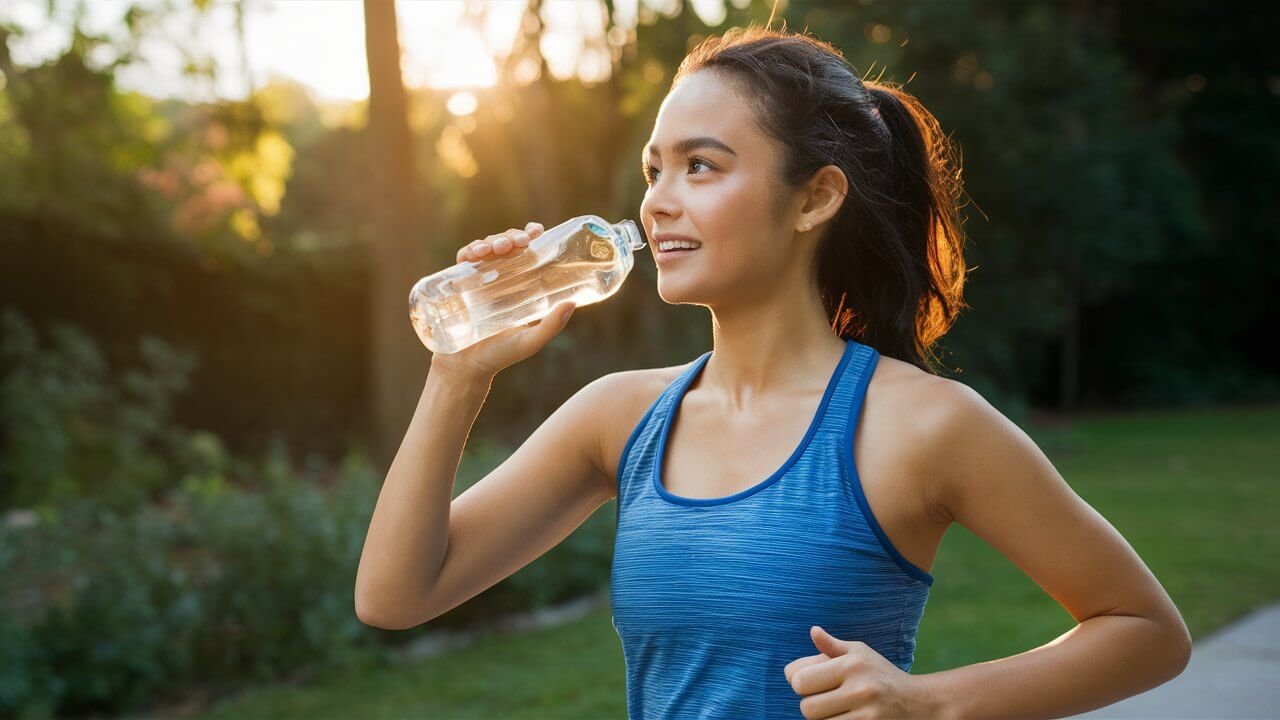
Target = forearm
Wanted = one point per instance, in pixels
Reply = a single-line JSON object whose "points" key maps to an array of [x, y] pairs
{"points": [[409, 532], [1098, 662]]}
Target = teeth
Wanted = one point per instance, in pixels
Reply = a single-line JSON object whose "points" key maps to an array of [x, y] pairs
{"points": [[672, 244]]}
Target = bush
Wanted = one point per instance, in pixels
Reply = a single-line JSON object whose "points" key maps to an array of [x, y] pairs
{"points": [[73, 433], [221, 586], [104, 611], [276, 569]]}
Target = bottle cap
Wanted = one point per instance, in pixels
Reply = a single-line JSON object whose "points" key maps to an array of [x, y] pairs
{"points": [[630, 233]]}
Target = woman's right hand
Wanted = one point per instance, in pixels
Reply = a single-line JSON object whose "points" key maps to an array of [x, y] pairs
{"points": [[485, 359]]}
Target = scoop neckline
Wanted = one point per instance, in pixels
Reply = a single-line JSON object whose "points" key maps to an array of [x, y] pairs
{"points": [[683, 388]]}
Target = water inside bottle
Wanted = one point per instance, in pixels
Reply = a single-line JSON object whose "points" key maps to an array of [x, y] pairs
{"points": [[521, 286]]}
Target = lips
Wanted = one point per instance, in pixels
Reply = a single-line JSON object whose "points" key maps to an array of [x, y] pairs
{"points": [[670, 256]]}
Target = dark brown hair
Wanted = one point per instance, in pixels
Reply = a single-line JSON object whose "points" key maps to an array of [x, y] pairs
{"points": [[890, 267]]}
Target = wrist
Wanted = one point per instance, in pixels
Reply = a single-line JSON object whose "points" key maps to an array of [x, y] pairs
{"points": [[461, 379], [931, 701]]}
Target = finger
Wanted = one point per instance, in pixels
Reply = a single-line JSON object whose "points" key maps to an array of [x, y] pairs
{"points": [[566, 309], [799, 664], [521, 239], [827, 705], [480, 248], [541, 333], [819, 677], [559, 315], [533, 228], [502, 244], [555, 321]]}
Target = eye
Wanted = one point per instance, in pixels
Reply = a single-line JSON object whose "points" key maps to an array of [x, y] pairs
{"points": [[651, 174]]}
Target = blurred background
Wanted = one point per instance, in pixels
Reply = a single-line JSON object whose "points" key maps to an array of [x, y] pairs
{"points": [[211, 213]]}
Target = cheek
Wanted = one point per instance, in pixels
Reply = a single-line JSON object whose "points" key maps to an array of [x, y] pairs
{"points": [[719, 211]]}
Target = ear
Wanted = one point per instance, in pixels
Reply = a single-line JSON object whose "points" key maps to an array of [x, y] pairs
{"points": [[824, 195]]}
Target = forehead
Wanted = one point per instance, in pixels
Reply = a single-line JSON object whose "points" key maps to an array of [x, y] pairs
{"points": [[702, 105]]}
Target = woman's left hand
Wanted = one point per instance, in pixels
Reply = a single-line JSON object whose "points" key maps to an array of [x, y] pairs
{"points": [[849, 680]]}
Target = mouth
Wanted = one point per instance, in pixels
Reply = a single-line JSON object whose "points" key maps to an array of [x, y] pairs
{"points": [[670, 245], [674, 255]]}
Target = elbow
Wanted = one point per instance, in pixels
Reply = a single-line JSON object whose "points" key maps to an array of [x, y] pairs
{"points": [[371, 615], [1185, 655], [375, 617], [1171, 640], [1181, 645], [382, 622]]}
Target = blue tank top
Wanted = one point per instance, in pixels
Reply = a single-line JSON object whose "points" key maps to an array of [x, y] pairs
{"points": [[713, 597]]}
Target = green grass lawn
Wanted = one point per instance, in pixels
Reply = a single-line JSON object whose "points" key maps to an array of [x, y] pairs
{"points": [[1194, 493]]}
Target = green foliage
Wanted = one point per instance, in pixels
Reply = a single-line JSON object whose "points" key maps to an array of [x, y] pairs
{"points": [[105, 611], [73, 139], [74, 432], [276, 569], [102, 618], [220, 586]]}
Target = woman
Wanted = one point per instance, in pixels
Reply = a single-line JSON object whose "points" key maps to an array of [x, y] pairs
{"points": [[760, 571]]}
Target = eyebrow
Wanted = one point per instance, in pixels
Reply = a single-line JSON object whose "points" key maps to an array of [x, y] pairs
{"points": [[683, 147]]}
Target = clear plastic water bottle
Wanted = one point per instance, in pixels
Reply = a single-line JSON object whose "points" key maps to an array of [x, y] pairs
{"points": [[585, 260]]}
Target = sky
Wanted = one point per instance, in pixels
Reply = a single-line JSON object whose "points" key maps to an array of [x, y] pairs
{"points": [[321, 42]]}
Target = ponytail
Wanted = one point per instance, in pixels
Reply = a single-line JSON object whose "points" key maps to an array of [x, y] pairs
{"points": [[924, 187]]}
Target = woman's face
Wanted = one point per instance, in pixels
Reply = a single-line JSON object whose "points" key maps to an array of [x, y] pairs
{"points": [[720, 192]]}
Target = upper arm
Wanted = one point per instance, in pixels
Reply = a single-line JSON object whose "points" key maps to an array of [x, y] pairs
{"points": [[531, 502], [994, 480]]}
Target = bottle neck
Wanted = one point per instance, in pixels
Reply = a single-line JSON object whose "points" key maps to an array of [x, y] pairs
{"points": [[630, 234]]}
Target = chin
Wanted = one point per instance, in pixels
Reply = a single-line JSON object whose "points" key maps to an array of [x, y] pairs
{"points": [[674, 292], [684, 290]]}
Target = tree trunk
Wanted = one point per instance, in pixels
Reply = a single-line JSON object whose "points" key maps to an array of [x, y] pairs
{"points": [[398, 362]]}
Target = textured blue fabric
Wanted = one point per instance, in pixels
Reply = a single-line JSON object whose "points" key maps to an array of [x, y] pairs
{"points": [[713, 597]]}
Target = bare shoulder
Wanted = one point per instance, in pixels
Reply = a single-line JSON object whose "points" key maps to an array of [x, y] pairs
{"points": [[927, 396], [624, 397], [919, 412]]}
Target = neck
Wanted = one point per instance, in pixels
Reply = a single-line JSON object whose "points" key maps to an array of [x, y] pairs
{"points": [[774, 345]]}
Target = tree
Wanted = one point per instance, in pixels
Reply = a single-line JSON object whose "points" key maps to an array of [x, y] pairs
{"points": [[398, 362]]}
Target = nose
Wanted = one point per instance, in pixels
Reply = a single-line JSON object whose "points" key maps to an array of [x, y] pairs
{"points": [[658, 204]]}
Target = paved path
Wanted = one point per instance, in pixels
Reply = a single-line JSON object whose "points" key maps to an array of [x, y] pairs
{"points": [[1234, 673]]}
